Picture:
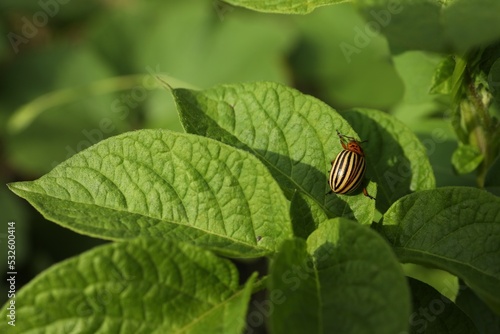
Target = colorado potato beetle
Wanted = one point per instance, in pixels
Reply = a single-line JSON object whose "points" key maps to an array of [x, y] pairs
{"points": [[348, 168]]}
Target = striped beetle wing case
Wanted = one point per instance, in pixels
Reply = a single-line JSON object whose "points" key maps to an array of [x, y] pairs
{"points": [[348, 168]]}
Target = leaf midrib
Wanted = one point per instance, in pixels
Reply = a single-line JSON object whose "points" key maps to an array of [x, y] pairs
{"points": [[236, 241]]}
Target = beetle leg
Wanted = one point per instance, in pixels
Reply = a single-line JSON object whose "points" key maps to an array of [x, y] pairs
{"points": [[365, 192]]}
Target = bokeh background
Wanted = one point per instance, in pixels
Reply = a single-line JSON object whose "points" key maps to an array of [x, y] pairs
{"points": [[75, 72]]}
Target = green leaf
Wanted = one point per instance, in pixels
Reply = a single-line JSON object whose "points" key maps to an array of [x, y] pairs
{"points": [[306, 215], [138, 286], [455, 229], [466, 159], [165, 185], [441, 82], [434, 313], [293, 134], [283, 6], [396, 159], [348, 281]]}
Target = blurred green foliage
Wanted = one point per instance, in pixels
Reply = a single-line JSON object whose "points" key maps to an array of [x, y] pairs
{"points": [[73, 74]]}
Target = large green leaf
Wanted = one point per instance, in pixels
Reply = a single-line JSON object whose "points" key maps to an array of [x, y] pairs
{"points": [[138, 286], [456, 229], [396, 159], [292, 133], [165, 185], [434, 313], [348, 281], [283, 6]]}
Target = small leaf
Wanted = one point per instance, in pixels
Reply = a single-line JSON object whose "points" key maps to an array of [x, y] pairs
{"points": [[165, 185], [350, 282], [396, 159], [293, 134], [455, 229], [441, 82], [283, 6], [434, 313], [138, 286], [466, 159]]}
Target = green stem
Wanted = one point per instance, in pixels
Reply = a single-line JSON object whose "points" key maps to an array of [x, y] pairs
{"points": [[477, 123]]}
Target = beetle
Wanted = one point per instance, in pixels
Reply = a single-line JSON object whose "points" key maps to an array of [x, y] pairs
{"points": [[348, 168]]}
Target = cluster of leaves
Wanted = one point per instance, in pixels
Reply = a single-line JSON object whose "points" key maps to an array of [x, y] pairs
{"points": [[249, 180]]}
